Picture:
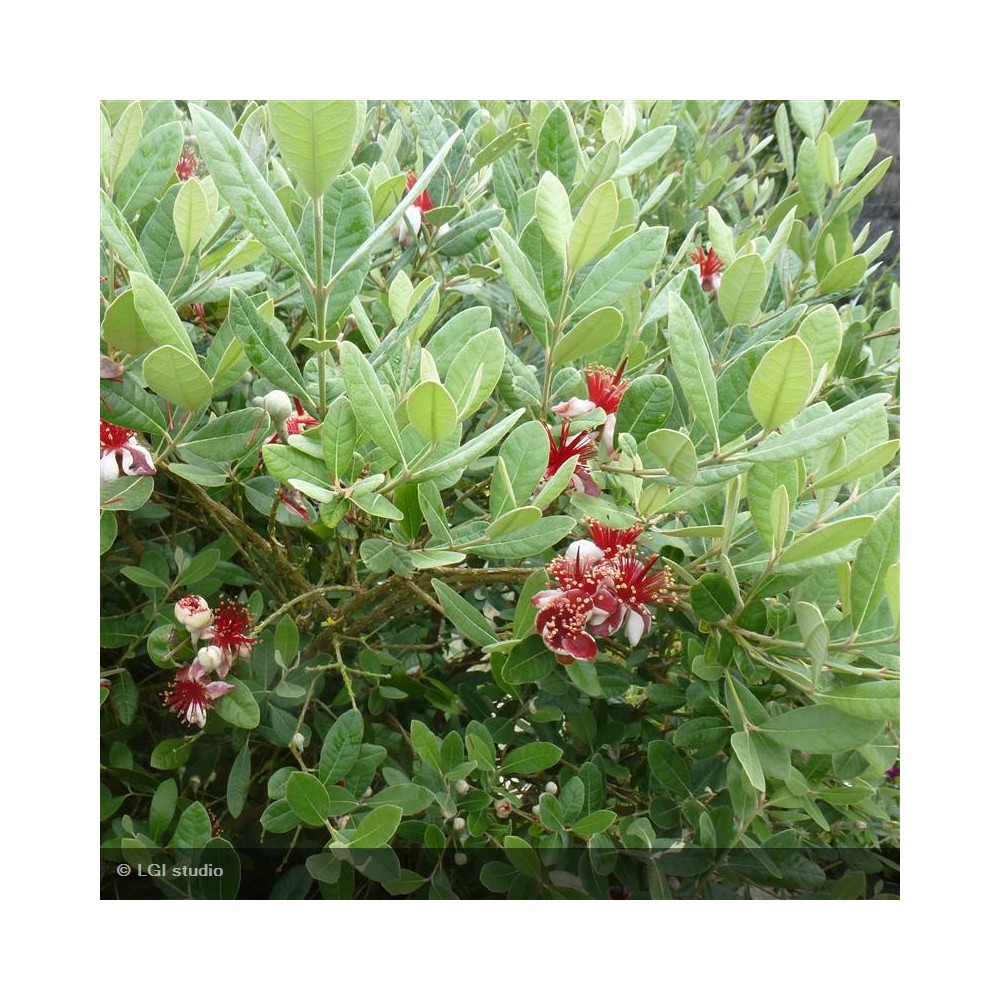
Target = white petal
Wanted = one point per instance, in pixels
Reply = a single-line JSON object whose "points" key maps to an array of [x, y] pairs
{"points": [[109, 468], [635, 627]]}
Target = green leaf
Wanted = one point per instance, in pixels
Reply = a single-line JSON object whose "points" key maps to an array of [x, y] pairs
{"points": [[823, 427], [194, 828], [127, 404], [120, 237], [781, 384], [526, 541], [158, 317], [692, 363], [425, 743], [170, 754], [859, 158], [872, 460], [676, 452], [173, 375], [316, 139], [109, 530], [124, 142], [341, 747], [845, 114], [712, 598], [822, 332], [593, 333], [126, 492], [368, 400], [877, 700], [828, 538], [525, 456], [162, 807], [239, 708], [246, 191], [846, 274], [820, 729], [339, 437], [778, 512], [431, 411], [809, 116], [721, 236], [513, 520], [198, 568], [286, 463], [308, 798], [150, 168], [191, 214], [520, 274], [412, 799], [471, 232], [122, 328], [468, 452], [646, 150], [463, 615], [747, 756], [557, 150], [593, 225], [531, 759], [878, 551], [265, 350], [238, 783], [810, 177], [474, 372], [595, 822], [229, 437], [143, 577], [554, 214], [530, 661], [556, 484], [627, 265], [742, 290], [645, 406]]}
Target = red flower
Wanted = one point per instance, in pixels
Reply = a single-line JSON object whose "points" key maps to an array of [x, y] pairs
{"points": [[230, 631], [579, 446], [187, 164], [634, 585], [122, 455], [423, 201], [190, 696], [605, 387], [562, 623], [613, 541], [298, 422], [710, 265]]}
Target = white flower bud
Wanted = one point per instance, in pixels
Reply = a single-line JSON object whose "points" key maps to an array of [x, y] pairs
{"points": [[367, 794], [461, 859], [278, 405], [461, 786], [536, 809], [193, 612], [458, 823], [210, 657], [552, 788], [298, 742], [502, 808]]}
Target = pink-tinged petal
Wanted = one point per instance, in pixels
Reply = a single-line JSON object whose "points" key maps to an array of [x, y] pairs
{"points": [[584, 553], [545, 597], [196, 671], [141, 460], [109, 467], [581, 646], [636, 625], [574, 407], [583, 482], [217, 689], [608, 434], [196, 715], [611, 622]]}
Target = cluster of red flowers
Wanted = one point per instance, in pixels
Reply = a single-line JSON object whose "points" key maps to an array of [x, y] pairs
{"points": [[187, 164], [602, 586], [228, 634], [605, 389]]}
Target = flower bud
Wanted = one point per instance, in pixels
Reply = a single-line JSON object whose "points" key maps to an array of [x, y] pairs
{"points": [[502, 808], [461, 786], [193, 613], [461, 859], [298, 742], [458, 823], [210, 657], [278, 405], [367, 794], [536, 810], [552, 788]]}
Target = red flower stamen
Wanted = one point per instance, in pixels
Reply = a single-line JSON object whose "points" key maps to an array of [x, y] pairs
{"points": [[186, 697], [605, 388], [634, 584], [187, 164], [613, 540], [231, 627], [580, 445], [114, 437]]}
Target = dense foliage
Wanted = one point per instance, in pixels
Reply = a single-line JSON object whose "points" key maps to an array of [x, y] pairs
{"points": [[497, 499]]}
